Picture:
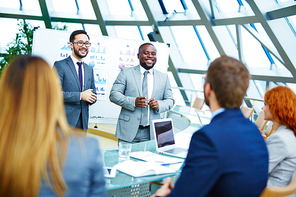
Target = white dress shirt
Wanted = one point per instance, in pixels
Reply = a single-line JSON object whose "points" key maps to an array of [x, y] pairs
{"points": [[149, 83], [77, 67]]}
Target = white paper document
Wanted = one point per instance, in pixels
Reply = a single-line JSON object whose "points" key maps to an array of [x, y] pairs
{"points": [[142, 168], [156, 158]]}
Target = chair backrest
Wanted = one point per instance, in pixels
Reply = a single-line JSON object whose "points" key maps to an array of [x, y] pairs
{"points": [[260, 122], [198, 103], [247, 111], [269, 130], [280, 191]]}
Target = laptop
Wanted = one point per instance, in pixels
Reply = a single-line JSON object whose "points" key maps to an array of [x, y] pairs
{"points": [[165, 138]]}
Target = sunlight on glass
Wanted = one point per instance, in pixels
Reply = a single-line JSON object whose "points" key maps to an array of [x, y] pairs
{"points": [[35, 23], [8, 35], [31, 5], [119, 7], [128, 32], [93, 29], [189, 45], [145, 31], [10, 3], [85, 7], [138, 8], [177, 95], [172, 5], [231, 6], [208, 42], [70, 26], [254, 55], [292, 20], [68, 6], [197, 81], [227, 5]]}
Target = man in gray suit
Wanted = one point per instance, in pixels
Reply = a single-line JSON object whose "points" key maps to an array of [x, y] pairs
{"points": [[127, 92], [77, 80]]}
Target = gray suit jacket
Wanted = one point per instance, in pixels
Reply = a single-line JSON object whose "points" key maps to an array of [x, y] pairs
{"points": [[71, 90], [282, 156], [82, 170], [126, 88]]}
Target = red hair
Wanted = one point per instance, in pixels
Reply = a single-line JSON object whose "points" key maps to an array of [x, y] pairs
{"points": [[282, 104]]}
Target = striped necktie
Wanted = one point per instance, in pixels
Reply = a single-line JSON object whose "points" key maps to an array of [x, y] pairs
{"points": [[144, 115], [80, 74]]}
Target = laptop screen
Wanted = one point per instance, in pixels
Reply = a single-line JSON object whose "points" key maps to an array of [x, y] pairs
{"points": [[164, 133]]}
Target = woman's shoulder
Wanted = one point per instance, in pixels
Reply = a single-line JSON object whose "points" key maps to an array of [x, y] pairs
{"points": [[83, 142]]}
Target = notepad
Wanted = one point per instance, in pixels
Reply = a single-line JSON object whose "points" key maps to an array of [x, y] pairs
{"points": [[141, 168], [153, 157]]}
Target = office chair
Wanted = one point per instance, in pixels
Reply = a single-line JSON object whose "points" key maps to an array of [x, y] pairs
{"points": [[260, 122], [247, 111], [269, 130], [197, 105]]}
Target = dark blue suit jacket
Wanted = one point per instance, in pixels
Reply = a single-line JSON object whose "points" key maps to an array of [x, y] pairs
{"points": [[71, 90], [227, 158]]}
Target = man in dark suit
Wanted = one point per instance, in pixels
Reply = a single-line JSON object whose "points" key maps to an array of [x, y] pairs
{"points": [[127, 92], [228, 157], [77, 81]]}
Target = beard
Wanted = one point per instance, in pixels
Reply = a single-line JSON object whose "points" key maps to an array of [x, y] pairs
{"points": [[76, 51], [144, 65]]}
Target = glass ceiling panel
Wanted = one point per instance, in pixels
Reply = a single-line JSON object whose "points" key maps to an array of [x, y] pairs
{"points": [[172, 5], [232, 30], [8, 35], [70, 26], [128, 32], [138, 8], [292, 20], [208, 42], [93, 29], [231, 6], [119, 7], [188, 44], [292, 86], [68, 6], [31, 5], [177, 95], [35, 23], [10, 3], [253, 53], [146, 30], [85, 7], [191, 7]]}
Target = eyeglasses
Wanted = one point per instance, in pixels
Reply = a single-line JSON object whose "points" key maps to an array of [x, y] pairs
{"points": [[81, 43], [204, 79]]}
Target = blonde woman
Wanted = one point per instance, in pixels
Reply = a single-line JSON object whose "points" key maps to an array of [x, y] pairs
{"points": [[40, 154]]}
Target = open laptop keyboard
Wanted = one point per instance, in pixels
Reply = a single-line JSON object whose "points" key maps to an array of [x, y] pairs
{"points": [[176, 150]]}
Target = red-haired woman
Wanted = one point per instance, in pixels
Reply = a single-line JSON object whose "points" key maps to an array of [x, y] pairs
{"points": [[280, 108]]}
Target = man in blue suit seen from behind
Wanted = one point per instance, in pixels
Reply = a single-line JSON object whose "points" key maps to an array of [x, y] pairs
{"points": [[77, 80], [227, 157]]}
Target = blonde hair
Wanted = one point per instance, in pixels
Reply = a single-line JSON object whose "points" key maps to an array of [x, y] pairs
{"points": [[34, 132]]}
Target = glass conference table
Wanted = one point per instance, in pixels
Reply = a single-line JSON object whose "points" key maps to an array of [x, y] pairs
{"points": [[126, 185]]}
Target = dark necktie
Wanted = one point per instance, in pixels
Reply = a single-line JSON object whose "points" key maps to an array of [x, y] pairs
{"points": [[144, 118], [80, 74]]}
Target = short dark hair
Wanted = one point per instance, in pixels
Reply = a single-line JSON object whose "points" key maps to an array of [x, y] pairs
{"points": [[147, 43], [76, 32], [229, 79]]}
